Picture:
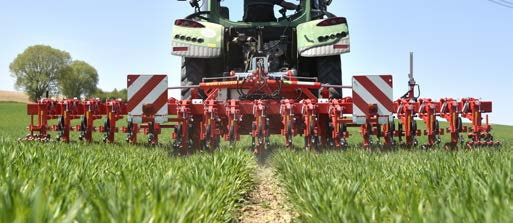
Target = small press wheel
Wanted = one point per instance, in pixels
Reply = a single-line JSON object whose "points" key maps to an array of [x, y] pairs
{"points": [[60, 124], [207, 138], [413, 131], [253, 129], [459, 125], [390, 134], [106, 129], [60, 128], [369, 134], [178, 133], [413, 128], [329, 134], [313, 138], [289, 133], [342, 140], [436, 127], [83, 127], [106, 125], [232, 135], [400, 132], [83, 124]]}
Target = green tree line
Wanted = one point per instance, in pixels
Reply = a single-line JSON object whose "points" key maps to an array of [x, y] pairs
{"points": [[42, 69]]}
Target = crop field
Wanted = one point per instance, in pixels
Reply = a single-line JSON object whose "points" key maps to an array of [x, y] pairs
{"points": [[121, 183], [403, 186], [114, 183]]}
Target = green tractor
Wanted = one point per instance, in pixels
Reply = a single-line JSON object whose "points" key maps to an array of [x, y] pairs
{"points": [[308, 42]]}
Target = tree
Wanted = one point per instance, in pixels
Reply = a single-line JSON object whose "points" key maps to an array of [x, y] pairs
{"points": [[37, 68], [79, 79], [115, 94]]}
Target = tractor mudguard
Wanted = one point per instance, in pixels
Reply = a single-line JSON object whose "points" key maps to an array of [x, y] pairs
{"points": [[323, 37], [197, 39]]}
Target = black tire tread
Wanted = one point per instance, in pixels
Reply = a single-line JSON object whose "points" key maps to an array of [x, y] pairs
{"points": [[193, 70], [329, 71]]}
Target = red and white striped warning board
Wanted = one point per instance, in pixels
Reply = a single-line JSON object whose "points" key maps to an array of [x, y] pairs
{"points": [[369, 90], [150, 90]]}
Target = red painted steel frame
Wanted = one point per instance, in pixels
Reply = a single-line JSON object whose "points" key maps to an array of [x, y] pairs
{"points": [[296, 111]]}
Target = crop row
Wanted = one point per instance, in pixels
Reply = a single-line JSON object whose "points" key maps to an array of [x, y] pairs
{"points": [[402, 186], [109, 183]]}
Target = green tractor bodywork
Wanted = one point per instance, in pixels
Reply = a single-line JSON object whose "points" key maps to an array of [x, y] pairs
{"points": [[202, 42], [330, 39], [316, 41], [309, 41]]}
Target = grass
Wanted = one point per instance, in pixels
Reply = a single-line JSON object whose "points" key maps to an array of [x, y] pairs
{"points": [[115, 183]]}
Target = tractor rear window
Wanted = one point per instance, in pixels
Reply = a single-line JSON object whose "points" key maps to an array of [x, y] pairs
{"points": [[234, 11]]}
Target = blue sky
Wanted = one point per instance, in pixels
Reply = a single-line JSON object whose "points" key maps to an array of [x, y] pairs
{"points": [[463, 48]]}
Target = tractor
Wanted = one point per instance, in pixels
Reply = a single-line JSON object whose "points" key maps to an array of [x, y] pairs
{"points": [[308, 42]]}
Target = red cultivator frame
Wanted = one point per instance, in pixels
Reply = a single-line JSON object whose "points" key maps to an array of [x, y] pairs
{"points": [[69, 109], [262, 104]]}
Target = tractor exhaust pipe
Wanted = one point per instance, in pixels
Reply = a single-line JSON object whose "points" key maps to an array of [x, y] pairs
{"points": [[411, 82]]}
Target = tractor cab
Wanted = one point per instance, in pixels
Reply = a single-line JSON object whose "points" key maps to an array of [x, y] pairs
{"points": [[230, 13]]}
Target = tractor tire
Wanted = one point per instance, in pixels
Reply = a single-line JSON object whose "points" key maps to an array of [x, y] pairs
{"points": [[329, 71], [193, 70]]}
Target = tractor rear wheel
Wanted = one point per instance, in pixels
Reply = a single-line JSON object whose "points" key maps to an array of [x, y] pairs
{"points": [[329, 71], [193, 70]]}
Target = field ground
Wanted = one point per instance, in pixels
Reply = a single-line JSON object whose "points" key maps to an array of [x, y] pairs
{"points": [[14, 96], [121, 183]]}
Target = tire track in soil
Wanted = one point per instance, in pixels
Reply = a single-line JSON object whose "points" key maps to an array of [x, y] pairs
{"points": [[267, 202]]}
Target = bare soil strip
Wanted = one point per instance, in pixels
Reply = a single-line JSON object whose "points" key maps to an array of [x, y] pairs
{"points": [[13, 96], [267, 202]]}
